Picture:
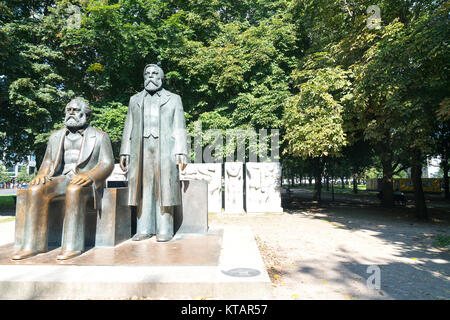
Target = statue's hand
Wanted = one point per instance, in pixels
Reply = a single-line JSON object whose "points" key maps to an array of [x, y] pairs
{"points": [[124, 160], [181, 160], [40, 179], [81, 180]]}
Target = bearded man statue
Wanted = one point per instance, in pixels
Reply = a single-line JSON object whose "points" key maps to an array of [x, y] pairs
{"points": [[76, 164]]}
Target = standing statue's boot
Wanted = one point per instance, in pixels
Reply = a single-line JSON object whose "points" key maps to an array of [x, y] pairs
{"points": [[163, 237], [65, 255], [23, 254], [140, 237]]}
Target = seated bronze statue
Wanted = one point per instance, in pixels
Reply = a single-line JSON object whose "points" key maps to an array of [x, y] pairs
{"points": [[76, 164]]}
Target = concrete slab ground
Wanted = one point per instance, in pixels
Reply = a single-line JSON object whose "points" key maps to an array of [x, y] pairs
{"points": [[237, 271]]}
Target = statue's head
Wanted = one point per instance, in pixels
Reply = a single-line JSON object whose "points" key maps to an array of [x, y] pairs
{"points": [[77, 114], [153, 77]]}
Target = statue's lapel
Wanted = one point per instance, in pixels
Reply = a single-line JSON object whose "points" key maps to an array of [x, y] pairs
{"points": [[59, 153], [140, 99], [165, 97], [87, 146]]}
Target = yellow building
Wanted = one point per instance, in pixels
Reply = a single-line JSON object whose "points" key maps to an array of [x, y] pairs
{"points": [[406, 185]]}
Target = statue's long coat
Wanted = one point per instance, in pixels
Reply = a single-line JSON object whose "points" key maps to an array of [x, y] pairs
{"points": [[172, 139]]}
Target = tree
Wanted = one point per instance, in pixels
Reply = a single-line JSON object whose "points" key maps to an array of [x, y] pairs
{"points": [[4, 177], [23, 176], [399, 85], [313, 117]]}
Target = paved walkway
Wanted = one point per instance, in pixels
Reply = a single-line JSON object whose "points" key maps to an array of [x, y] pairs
{"points": [[6, 230], [325, 253]]}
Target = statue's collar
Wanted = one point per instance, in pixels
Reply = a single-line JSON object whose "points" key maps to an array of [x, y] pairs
{"points": [[164, 94], [159, 92], [80, 131]]}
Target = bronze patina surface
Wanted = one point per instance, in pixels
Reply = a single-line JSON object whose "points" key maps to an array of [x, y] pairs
{"points": [[183, 249], [76, 164], [154, 144]]}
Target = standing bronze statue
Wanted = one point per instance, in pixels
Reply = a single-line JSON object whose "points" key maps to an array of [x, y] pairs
{"points": [[153, 144], [77, 161]]}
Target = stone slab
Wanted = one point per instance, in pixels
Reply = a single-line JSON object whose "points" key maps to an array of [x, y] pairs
{"points": [[263, 187], [234, 187], [212, 174], [192, 215], [238, 274], [117, 178], [113, 224]]}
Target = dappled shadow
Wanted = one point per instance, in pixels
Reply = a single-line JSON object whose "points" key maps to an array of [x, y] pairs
{"points": [[419, 269], [301, 200], [402, 281]]}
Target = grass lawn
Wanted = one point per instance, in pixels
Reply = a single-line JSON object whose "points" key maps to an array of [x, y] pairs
{"points": [[338, 189], [6, 202]]}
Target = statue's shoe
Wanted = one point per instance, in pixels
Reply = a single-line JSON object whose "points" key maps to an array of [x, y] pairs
{"points": [[23, 254], [65, 255], [140, 237], [163, 237]]}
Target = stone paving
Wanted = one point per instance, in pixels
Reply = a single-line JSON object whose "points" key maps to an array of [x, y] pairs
{"points": [[325, 251]]}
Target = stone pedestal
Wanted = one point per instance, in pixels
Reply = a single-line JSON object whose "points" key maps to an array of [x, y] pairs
{"points": [[117, 178], [234, 185], [263, 187], [114, 220], [107, 228], [222, 264], [192, 215], [212, 174]]}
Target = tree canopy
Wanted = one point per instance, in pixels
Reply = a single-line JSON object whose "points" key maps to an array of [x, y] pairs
{"points": [[333, 76]]}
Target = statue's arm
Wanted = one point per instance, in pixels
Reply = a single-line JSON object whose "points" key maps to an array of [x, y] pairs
{"points": [[126, 140], [179, 134], [126, 136], [179, 127]]}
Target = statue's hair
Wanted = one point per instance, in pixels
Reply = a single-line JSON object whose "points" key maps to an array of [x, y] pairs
{"points": [[83, 103], [161, 71]]}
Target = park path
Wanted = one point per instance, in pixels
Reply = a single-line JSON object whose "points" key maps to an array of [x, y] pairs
{"points": [[6, 230], [324, 253]]}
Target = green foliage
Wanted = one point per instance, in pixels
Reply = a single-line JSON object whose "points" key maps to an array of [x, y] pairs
{"points": [[7, 203], [4, 177], [336, 89], [313, 117], [111, 119], [23, 176], [442, 241]]}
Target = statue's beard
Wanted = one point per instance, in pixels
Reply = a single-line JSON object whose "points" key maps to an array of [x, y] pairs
{"points": [[152, 85], [74, 122]]}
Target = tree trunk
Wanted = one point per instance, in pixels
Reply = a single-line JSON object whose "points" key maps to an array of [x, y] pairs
{"points": [[419, 198], [355, 183], [445, 168], [310, 181], [342, 182], [388, 172], [327, 179], [318, 168]]}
